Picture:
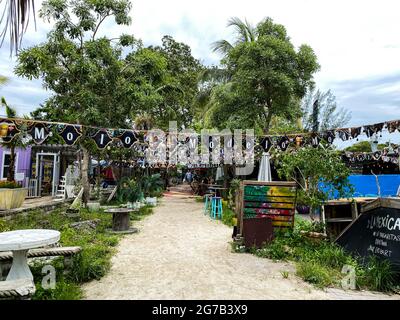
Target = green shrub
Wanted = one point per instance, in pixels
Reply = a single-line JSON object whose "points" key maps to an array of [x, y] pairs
{"points": [[276, 250], [9, 185], [63, 291], [316, 274], [227, 216], [92, 263], [377, 275]]}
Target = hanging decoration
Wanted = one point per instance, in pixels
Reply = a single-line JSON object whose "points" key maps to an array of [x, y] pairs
{"points": [[102, 138], [283, 143], [39, 132], [128, 138], [344, 134], [70, 133], [315, 140], [8, 130]]}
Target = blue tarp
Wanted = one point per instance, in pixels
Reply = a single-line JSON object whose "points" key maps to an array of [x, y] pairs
{"points": [[365, 185]]}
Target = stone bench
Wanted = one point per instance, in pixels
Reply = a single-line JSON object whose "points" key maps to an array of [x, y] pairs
{"points": [[21, 289], [66, 252]]}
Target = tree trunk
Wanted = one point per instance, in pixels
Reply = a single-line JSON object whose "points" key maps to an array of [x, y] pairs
{"points": [[85, 175], [11, 168], [267, 122]]}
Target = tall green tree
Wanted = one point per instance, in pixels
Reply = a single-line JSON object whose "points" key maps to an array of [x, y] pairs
{"points": [[320, 111], [84, 71], [183, 71], [268, 77]]}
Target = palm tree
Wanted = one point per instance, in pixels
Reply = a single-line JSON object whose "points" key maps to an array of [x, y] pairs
{"points": [[245, 32], [15, 17]]}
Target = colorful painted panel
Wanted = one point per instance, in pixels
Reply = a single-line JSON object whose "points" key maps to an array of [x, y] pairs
{"points": [[269, 205], [285, 212], [269, 191], [264, 198], [276, 202]]}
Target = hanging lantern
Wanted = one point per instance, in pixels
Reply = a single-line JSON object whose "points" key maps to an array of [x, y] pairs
{"points": [[3, 129]]}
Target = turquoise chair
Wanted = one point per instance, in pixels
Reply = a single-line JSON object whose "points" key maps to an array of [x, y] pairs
{"points": [[216, 207], [207, 202]]}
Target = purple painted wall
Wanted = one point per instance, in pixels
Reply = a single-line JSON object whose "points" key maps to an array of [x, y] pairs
{"points": [[23, 160]]}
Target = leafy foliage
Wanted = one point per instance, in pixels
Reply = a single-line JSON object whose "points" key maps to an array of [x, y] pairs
{"points": [[268, 77], [9, 185], [310, 167]]}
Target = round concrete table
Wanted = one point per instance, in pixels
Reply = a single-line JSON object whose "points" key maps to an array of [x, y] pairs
{"points": [[121, 220], [19, 242]]}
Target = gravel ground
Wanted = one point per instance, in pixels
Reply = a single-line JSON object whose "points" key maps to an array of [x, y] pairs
{"points": [[179, 253]]}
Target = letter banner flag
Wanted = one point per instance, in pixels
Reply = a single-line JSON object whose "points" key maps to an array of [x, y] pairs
{"points": [[39, 132], [128, 138], [8, 130], [70, 134], [102, 138]]}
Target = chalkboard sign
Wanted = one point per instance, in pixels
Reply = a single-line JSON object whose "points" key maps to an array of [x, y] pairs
{"points": [[274, 200], [375, 232]]}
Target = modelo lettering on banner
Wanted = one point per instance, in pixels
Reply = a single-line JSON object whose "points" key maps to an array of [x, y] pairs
{"points": [[102, 139], [128, 138], [39, 132], [70, 134]]}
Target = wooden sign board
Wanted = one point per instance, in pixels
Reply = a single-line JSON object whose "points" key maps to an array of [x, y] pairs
{"points": [[275, 200], [375, 232]]}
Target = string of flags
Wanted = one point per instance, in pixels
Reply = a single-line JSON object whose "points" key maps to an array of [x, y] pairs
{"points": [[37, 132], [381, 155]]}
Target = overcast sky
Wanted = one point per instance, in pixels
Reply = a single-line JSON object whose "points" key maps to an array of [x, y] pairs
{"points": [[357, 44]]}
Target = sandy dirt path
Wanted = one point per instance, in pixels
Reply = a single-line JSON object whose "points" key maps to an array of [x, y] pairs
{"points": [[180, 253]]}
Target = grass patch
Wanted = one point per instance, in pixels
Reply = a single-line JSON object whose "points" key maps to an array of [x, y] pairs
{"points": [[315, 273], [321, 262], [93, 262], [227, 214]]}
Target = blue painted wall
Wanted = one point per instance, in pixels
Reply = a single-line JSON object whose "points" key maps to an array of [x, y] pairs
{"points": [[365, 185]]}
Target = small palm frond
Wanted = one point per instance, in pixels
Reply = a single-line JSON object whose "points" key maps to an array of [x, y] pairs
{"points": [[10, 112], [15, 20], [3, 80], [245, 31], [221, 46]]}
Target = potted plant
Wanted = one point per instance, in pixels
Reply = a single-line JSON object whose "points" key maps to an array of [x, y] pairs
{"points": [[152, 187], [12, 195], [128, 191]]}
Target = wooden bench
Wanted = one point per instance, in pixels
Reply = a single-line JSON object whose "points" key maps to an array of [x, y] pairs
{"points": [[17, 289], [67, 252]]}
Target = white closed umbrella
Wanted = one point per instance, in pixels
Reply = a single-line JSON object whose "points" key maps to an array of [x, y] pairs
{"points": [[264, 172], [219, 174]]}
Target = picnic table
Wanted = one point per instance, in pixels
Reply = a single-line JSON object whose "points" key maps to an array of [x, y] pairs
{"points": [[121, 220], [20, 242]]}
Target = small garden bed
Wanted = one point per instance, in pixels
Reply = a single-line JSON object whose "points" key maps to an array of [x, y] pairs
{"points": [[93, 262]]}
